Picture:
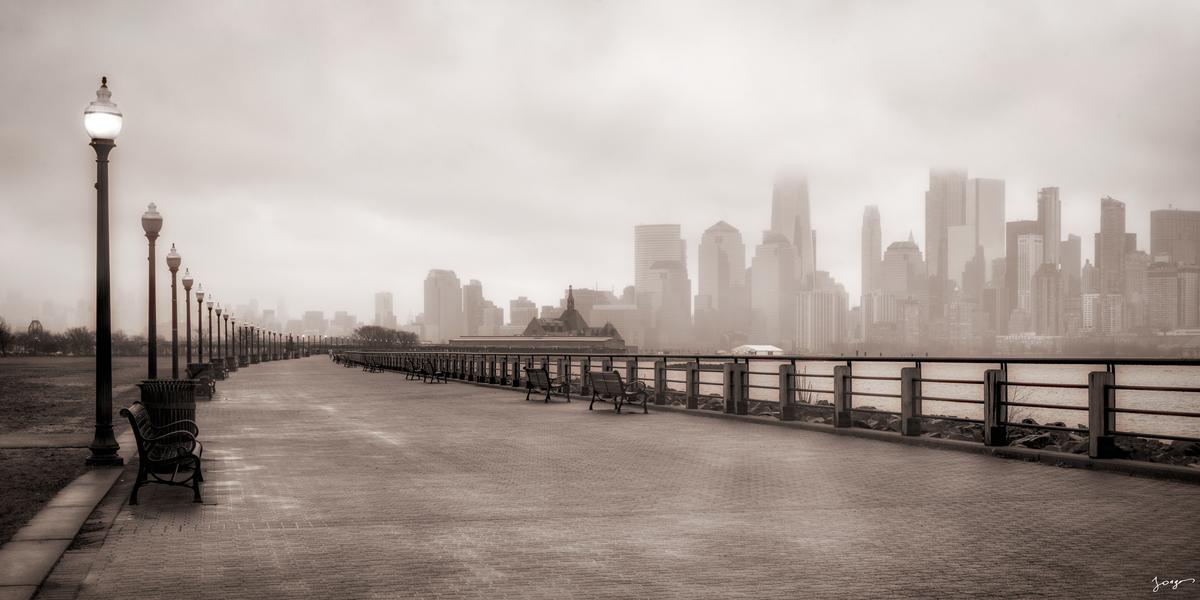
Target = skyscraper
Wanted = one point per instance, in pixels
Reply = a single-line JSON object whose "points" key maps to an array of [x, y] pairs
{"points": [[443, 306], [1175, 234], [903, 273], [1029, 259], [472, 295], [1050, 223], [872, 250], [1110, 246], [772, 291], [653, 243], [385, 316], [1047, 300], [1014, 230], [722, 303], [671, 320], [987, 196], [521, 311], [945, 205], [791, 217], [722, 264], [821, 319], [1071, 258]]}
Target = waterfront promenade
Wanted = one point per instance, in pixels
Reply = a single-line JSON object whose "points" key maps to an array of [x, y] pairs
{"points": [[326, 482]]}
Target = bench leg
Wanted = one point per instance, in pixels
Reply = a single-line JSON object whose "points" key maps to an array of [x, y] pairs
{"points": [[593, 402], [528, 391], [547, 395], [137, 483], [196, 482]]}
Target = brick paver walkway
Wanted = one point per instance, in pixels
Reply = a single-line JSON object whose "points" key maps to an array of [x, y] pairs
{"points": [[326, 482]]}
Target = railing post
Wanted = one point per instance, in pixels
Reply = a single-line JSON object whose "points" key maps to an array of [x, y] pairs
{"points": [[631, 370], [516, 373], [606, 364], [585, 376], [910, 400], [995, 410], [734, 388], [660, 381], [787, 392], [503, 370], [558, 370], [843, 399], [1101, 399], [693, 386]]}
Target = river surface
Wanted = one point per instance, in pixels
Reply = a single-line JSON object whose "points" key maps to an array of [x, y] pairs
{"points": [[815, 376]]}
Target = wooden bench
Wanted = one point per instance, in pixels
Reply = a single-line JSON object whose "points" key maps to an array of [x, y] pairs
{"points": [[539, 379], [167, 448], [372, 367], [202, 373], [429, 374], [608, 383]]}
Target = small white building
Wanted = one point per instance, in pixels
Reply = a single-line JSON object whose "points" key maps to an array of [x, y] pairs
{"points": [[757, 350]]}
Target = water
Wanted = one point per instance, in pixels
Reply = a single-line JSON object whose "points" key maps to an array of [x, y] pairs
{"points": [[814, 376]]}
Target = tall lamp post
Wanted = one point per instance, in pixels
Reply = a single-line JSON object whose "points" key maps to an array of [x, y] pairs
{"points": [[187, 310], [152, 224], [228, 346], [209, 304], [173, 261], [103, 123], [200, 323], [220, 353]]}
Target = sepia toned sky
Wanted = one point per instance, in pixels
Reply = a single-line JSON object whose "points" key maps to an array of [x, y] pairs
{"points": [[315, 153]]}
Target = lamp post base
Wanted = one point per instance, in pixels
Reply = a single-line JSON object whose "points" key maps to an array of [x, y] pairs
{"points": [[104, 449]]}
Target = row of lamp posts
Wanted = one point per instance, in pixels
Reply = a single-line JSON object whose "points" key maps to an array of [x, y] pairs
{"points": [[103, 123]]}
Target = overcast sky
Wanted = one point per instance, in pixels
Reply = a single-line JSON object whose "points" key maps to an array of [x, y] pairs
{"points": [[320, 152]]}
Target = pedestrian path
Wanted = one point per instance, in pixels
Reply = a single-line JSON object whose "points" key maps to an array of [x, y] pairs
{"points": [[325, 482]]}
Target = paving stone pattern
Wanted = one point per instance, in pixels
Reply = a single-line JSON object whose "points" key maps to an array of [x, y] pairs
{"points": [[326, 482]]}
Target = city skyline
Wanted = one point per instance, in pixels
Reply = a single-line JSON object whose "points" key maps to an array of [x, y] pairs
{"points": [[258, 157]]}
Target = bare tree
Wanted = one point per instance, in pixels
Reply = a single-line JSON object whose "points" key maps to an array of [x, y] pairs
{"points": [[6, 337]]}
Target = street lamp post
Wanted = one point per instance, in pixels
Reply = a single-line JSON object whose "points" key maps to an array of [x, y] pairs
{"points": [[200, 323], [152, 224], [219, 353], [173, 261], [103, 123], [187, 310], [209, 304], [230, 361]]}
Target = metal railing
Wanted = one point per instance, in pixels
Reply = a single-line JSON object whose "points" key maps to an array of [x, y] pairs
{"points": [[912, 388]]}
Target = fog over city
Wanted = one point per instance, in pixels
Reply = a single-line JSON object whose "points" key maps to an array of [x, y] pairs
{"points": [[313, 154]]}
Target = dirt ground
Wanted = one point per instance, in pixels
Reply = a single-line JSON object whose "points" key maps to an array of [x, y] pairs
{"points": [[49, 394]]}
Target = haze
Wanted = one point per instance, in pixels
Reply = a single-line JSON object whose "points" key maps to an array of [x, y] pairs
{"points": [[316, 153]]}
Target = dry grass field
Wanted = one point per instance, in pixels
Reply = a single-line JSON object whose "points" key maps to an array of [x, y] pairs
{"points": [[48, 394]]}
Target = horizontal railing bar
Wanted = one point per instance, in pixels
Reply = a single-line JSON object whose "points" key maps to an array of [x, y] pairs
{"points": [[1051, 406], [957, 381], [798, 358], [873, 394], [1147, 411], [817, 375], [813, 391], [875, 411], [1042, 426], [1154, 388], [945, 418], [958, 400], [873, 378], [1161, 436], [1072, 386]]}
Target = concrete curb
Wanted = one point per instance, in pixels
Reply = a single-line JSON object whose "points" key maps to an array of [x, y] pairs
{"points": [[1059, 459], [28, 558]]}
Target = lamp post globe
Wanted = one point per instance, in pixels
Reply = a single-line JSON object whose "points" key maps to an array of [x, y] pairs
{"points": [[173, 261], [187, 309], [103, 122]]}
